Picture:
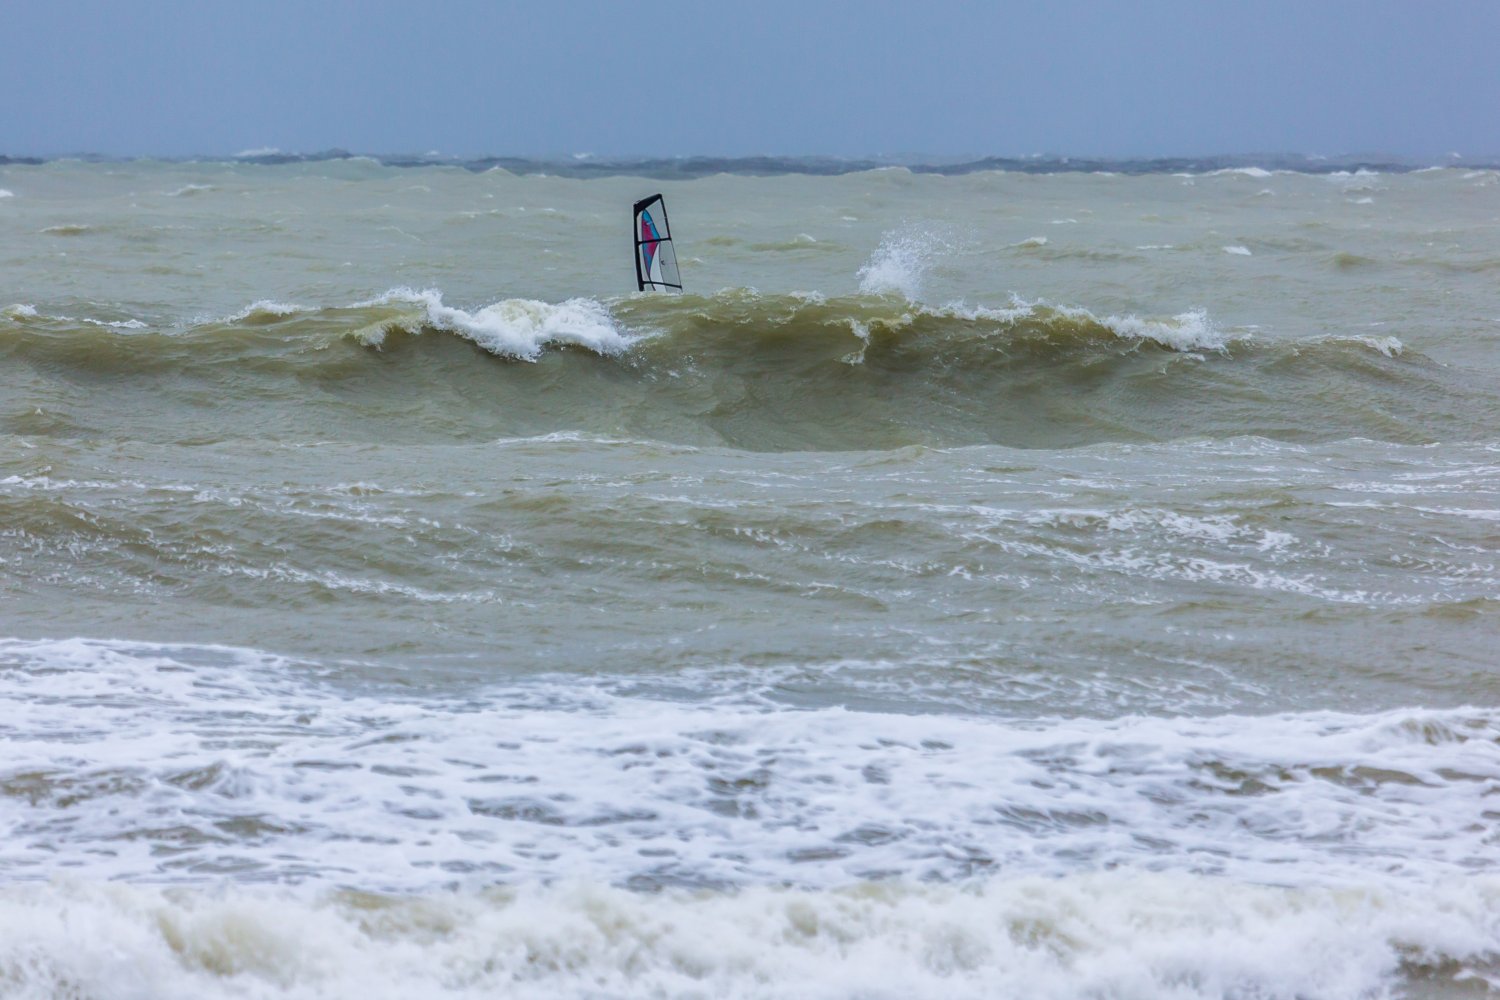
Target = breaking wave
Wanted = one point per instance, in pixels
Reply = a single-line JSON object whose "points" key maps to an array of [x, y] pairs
{"points": [[773, 372], [1135, 937], [516, 328], [557, 838]]}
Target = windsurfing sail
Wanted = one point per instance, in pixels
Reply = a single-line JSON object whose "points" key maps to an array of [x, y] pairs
{"points": [[655, 260]]}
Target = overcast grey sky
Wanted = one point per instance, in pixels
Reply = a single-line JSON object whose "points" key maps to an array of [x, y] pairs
{"points": [[669, 77]]}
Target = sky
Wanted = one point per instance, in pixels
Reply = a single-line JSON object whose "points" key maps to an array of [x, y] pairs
{"points": [[938, 78]]}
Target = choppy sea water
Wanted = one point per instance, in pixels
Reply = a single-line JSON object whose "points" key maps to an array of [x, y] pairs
{"points": [[986, 585]]}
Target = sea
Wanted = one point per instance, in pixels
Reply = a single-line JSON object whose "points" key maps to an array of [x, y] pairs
{"points": [[1031, 579]]}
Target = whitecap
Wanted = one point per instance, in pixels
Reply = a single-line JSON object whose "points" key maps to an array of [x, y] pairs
{"points": [[264, 308], [1258, 172], [517, 328], [1187, 331], [1389, 346]]}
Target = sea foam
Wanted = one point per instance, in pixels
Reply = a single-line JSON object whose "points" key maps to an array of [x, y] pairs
{"points": [[517, 328], [552, 779], [1127, 936]]}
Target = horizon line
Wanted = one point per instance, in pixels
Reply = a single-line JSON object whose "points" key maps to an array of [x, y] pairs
{"points": [[685, 166]]}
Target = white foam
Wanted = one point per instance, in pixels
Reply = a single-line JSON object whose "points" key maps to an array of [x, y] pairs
{"points": [[190, 189], [259, 151], [1135, 521], [1258, 172], [1238, 251], [1187, 331], [1389, 346], [1124, 936], [517, 328], [902, 261], [557, 778], [24, 311], [1032, 241], [6, 194], [264, 308]]}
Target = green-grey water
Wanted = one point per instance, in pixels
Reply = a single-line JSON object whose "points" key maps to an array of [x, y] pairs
{"points": [[999, 584]]}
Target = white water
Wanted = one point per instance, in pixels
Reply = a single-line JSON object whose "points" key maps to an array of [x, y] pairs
{"points": [[560, 779], [1125, 936], [517, 328]]}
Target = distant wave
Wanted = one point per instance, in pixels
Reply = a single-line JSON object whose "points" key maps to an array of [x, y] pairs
{"points": [[1254, 166]]}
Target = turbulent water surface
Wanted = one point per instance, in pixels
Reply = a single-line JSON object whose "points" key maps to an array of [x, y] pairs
{"points": [[995, 585]]}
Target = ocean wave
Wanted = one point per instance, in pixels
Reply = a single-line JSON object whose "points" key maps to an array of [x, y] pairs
{"points": [[1130, 936], [1361, 179], [1389, 346], [728, 788], [984, 330], [262, 310], [551, 834], [515, 328], [900, 168], [762, 371], [1256, 172], [1186, 332]]}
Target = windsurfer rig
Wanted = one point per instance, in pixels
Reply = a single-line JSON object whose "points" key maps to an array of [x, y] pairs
{"points": [[655, 260]]}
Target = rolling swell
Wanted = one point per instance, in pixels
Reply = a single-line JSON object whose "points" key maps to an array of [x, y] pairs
{"points": [[760, 372]]}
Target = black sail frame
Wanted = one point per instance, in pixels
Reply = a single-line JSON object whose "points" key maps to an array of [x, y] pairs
{"points": [[663, 243]]}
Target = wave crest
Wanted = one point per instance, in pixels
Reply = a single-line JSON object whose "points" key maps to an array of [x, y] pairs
{"points": [[515, 328], [737, 367]]}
